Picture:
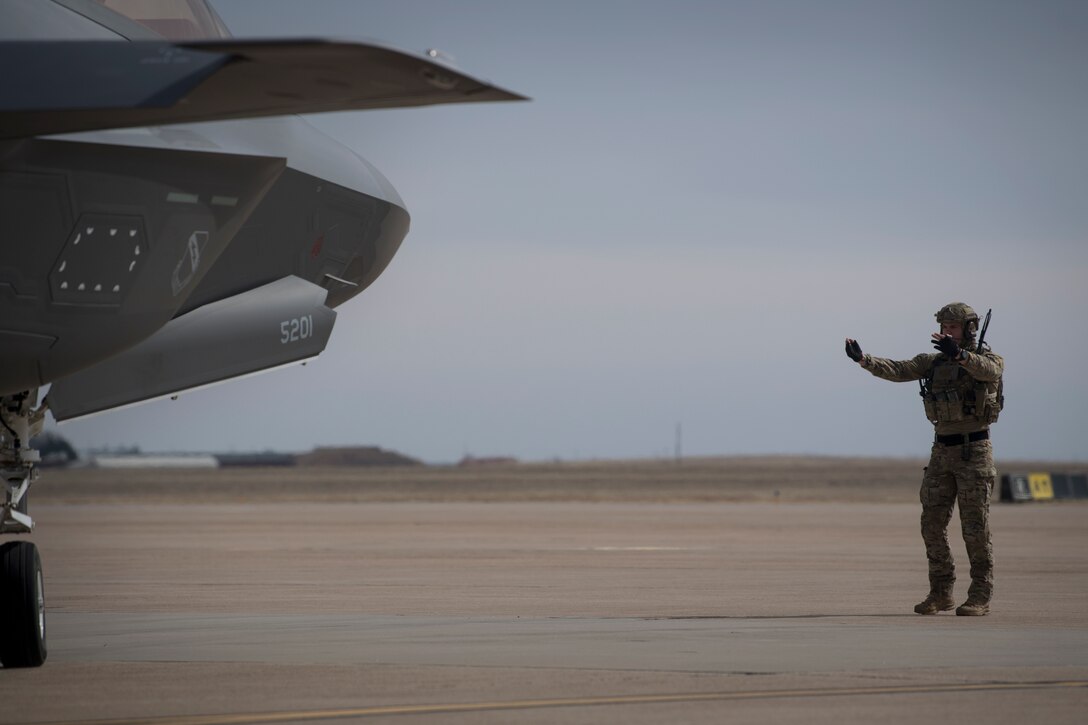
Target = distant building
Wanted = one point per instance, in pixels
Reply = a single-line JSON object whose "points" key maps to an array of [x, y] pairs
{"points": [[355, 456], [473, 461], [153, 461], [266, 459]]}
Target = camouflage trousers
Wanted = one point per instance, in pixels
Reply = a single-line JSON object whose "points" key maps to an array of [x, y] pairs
{"points": [[950, 478]]}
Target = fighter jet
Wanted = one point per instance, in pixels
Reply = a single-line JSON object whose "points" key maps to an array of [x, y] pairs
{"points": [[166, 222]]}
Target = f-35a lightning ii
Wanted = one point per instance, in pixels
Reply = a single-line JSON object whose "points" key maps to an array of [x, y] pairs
{"points": [[167, 223]]}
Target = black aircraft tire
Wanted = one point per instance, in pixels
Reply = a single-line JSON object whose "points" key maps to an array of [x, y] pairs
{"points": [[22, 606]]}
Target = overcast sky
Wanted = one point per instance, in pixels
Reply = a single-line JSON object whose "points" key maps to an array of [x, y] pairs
{"points": [[700, 202]]}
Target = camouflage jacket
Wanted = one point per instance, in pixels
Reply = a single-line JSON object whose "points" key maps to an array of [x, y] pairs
{"points": [[959, 397]]}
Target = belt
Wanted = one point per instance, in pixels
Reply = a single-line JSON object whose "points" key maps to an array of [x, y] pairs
{"points": [[960, 438]]}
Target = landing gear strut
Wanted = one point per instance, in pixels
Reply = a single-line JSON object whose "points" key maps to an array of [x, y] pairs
{"points": [[22, 597]]}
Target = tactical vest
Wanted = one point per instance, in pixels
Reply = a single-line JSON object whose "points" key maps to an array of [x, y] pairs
{"points": [[951, 395]]}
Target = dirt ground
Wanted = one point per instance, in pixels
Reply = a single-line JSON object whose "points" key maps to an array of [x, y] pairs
{"points": [[741, 478]]}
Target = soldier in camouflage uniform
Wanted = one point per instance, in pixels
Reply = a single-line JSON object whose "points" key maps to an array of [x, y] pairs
{"points": [[961, 389]]}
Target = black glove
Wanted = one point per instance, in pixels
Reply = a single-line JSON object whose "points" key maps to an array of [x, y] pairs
{"points": [[853, 350], [948, 346]]}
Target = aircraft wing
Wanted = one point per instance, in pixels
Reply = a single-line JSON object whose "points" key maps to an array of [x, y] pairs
{"points": [[53, 87]]}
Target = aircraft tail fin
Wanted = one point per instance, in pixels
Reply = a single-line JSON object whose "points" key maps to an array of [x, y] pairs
{"points": [[55, 87], [280, 323]]}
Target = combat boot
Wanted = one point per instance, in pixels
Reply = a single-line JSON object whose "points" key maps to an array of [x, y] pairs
{"points": [[935, 602], [973, 607]]}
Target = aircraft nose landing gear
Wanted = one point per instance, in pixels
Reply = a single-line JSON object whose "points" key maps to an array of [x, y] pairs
{"points": [[22, 605], [22, 595]]}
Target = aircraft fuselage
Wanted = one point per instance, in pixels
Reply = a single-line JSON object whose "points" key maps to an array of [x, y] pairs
{"points": [[106, 236]]}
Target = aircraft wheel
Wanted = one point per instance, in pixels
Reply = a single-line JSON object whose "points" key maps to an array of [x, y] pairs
{"points": [[22, 606]]}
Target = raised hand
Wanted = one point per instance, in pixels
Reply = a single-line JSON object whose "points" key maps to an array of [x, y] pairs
{"points": [[946, 344], [853, 350]]}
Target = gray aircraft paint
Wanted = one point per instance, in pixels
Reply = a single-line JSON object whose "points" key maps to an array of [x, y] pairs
{"points": [[37, 20], [282, 322], [305, 148], [59, 200], [121, 231], [70, 86]]}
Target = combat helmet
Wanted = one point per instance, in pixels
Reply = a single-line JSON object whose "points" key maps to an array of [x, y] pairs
{"points": [[962, 313]]}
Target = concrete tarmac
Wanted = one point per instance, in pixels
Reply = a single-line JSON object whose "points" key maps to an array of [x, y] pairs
{"points": [[544, 613]]}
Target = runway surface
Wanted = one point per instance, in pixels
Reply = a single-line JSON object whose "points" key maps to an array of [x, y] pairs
{"points": [[545, 612]]}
